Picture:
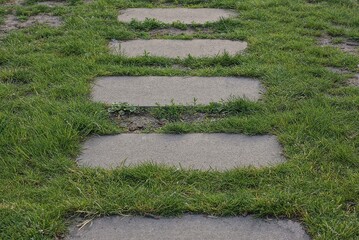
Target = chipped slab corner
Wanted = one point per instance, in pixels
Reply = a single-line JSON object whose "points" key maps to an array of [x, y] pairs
{"points": [[188, 227], [170, 15], [177, 48], [214, 151]]}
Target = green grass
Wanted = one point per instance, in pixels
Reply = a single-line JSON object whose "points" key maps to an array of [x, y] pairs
{"points": [[46, 111]]}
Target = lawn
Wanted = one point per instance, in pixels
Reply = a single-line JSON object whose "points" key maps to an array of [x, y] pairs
{"points": [[46, 112]]}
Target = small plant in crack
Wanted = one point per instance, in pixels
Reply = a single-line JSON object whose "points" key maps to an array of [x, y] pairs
{"points": [[122, 108], [179, 25], [171, 112], [234, 106], [147, 25]]}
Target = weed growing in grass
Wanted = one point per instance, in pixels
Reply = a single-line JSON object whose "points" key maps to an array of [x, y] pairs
{"points": [[233, 107], [122, 108], [45, 112], [147, 25], [174, 112]]}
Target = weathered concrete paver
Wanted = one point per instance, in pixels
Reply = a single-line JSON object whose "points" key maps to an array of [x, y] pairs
{"points": [[149, 90], [177, 48], [194, 151], [170, 15], [189, 227]]}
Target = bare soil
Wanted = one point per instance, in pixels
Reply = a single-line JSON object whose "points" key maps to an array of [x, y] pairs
{"points": [[145, 121], [348, 46], [137, 123], [338, 70], [354, 81], [14, 2], [52, 3], [13, 23]]}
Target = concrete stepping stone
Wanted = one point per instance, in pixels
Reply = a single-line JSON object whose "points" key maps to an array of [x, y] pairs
{"points": [[149, 90], [170, 15], [191, 151], [177, 48], [189, 227]]}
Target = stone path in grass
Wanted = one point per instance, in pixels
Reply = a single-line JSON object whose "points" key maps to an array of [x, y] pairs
{"points": [[189, 151]]}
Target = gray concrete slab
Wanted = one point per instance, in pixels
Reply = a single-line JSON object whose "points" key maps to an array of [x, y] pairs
{"points": [[194, 151], [189, 227], [177, 48], [149, 90], [170, 15]]}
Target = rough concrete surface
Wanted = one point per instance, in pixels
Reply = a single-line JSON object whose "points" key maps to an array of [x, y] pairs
{"points": [[195, 151], [175, 31], [177, 48], [170, 15], [149, 90], [189, 227]]}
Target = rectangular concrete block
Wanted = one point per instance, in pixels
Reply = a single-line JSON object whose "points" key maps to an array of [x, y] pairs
{"points": [[189, 227], [191, 151], [170, 15], [177, 48], [152, 90]]}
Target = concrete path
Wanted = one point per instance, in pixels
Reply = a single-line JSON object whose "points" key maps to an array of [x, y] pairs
{"points": [[189, 227], [149, 90], [195, 151], [177, 48], [170, 15], [190, 151]]}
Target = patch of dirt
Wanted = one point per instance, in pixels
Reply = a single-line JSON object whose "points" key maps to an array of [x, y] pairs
{"points": [[52, 3], [338, 70], [354, 81], [196, 117], [180, 67], [14, 3], [175, 31], [13, 23], [139, 122], [346, 46]]}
